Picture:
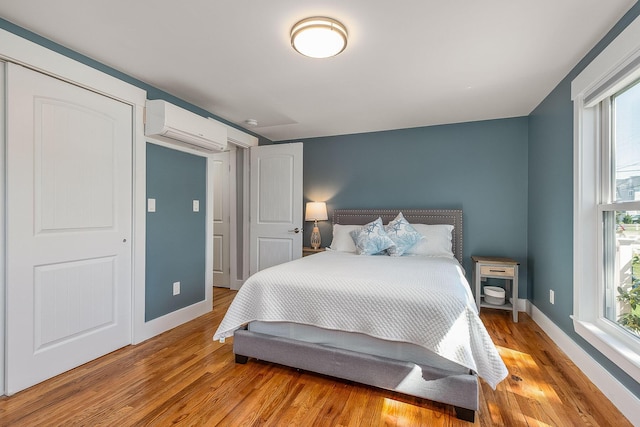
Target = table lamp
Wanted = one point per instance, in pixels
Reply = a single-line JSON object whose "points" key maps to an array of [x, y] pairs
{"points": [[316, 211]]}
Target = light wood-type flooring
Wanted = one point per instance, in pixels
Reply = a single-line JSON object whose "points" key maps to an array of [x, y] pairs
{"points": [[183, 377]]}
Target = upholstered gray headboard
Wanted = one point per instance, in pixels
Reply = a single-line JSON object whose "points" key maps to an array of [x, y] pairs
{"points": [[415, 216]]}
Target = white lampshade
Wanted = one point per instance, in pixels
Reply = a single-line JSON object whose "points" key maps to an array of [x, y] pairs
{"points": [[319, 37], [316, 211]]}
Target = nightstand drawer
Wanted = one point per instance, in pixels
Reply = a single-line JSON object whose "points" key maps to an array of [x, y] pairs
{"points": [[499, 271]]}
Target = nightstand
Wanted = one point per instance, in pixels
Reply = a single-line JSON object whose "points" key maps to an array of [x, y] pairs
{"points": [[497, 268], [306, 251]]}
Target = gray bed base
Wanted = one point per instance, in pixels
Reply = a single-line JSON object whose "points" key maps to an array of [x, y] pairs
{"points": [[455, 389], [459, 390]]}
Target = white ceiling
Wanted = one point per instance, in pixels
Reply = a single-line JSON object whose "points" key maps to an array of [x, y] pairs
{"points": [[407, 64]]}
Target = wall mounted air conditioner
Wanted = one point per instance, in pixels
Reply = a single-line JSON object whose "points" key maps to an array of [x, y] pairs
{"points": [[171, 123]]}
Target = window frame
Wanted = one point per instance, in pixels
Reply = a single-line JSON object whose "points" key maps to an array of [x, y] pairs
{"points": [[615, 68]]}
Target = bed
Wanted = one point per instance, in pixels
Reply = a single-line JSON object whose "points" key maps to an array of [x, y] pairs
{"points": [[405, 323]]}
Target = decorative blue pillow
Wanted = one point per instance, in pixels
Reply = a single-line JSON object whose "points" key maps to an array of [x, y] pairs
{"points": [[403, 235], [371, 239]]}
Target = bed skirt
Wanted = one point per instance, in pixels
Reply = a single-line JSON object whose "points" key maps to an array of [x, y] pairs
{"points": [[459, 390]]}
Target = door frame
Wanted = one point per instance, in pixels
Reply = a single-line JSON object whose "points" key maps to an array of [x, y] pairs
{"points": [[237, 278], [36, 57], [246, 206], [233, 217], [2, 227], [239, 165]]}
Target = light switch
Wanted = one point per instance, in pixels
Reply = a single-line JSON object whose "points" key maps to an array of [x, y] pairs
{"points": [[151, 205], [196, 205]]}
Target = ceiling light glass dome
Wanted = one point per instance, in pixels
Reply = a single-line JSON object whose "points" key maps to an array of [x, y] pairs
{"points": [[319, 37]]}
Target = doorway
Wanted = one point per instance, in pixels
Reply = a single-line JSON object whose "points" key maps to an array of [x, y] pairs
{"points": [[231, 217]]}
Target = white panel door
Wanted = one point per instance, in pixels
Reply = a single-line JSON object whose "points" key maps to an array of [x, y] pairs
{"points": [[69, 171], [276, 205], [221, 220]]}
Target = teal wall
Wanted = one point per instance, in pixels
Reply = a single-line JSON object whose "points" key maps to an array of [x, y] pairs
{"points": [[479, 167], [550, 225], [176, 236]]}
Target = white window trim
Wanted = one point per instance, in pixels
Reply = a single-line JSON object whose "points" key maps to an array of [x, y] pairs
{"points": [[605, 75]]}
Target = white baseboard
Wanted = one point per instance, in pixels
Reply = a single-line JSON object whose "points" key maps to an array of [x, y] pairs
{"points": [[618, 394], [169, 321]]}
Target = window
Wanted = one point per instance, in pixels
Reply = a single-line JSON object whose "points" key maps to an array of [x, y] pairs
{"points": [[606, 271], [620, 169]]}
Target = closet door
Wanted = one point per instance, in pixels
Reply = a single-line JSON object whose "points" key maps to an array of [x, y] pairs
{"points": [[69, 171]]}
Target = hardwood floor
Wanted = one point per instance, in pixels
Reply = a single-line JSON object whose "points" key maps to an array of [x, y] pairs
{"points": [[183, 377]]}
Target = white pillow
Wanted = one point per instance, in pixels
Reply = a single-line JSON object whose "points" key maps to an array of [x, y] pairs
{"points": [[342, 240], [436, 241]]}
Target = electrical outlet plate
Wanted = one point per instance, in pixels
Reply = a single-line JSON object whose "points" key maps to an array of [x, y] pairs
{"points": [[176, 288], [552, 296]]}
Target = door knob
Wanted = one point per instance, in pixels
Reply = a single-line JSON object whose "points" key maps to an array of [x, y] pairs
{"points": [[295, 230]]}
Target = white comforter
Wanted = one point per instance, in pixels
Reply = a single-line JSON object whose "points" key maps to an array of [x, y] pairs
{"points": [[421, 300]]}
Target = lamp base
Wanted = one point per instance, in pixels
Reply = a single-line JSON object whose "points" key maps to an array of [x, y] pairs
{"points": [[315, 237]]}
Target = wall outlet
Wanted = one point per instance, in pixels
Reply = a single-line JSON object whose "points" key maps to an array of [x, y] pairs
{"points": [[552, 296], [196, 205], [176, 288], [151, 205]]}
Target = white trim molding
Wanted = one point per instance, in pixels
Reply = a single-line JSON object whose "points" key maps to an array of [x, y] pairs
{"points": [[2, 226], [596, 78], [246, 206], [233, 216], [139, 332], [618, 394], [31, 55], [237, 137]]}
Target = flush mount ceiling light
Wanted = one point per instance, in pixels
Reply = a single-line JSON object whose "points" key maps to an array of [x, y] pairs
{"points": [[319, 37]]}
